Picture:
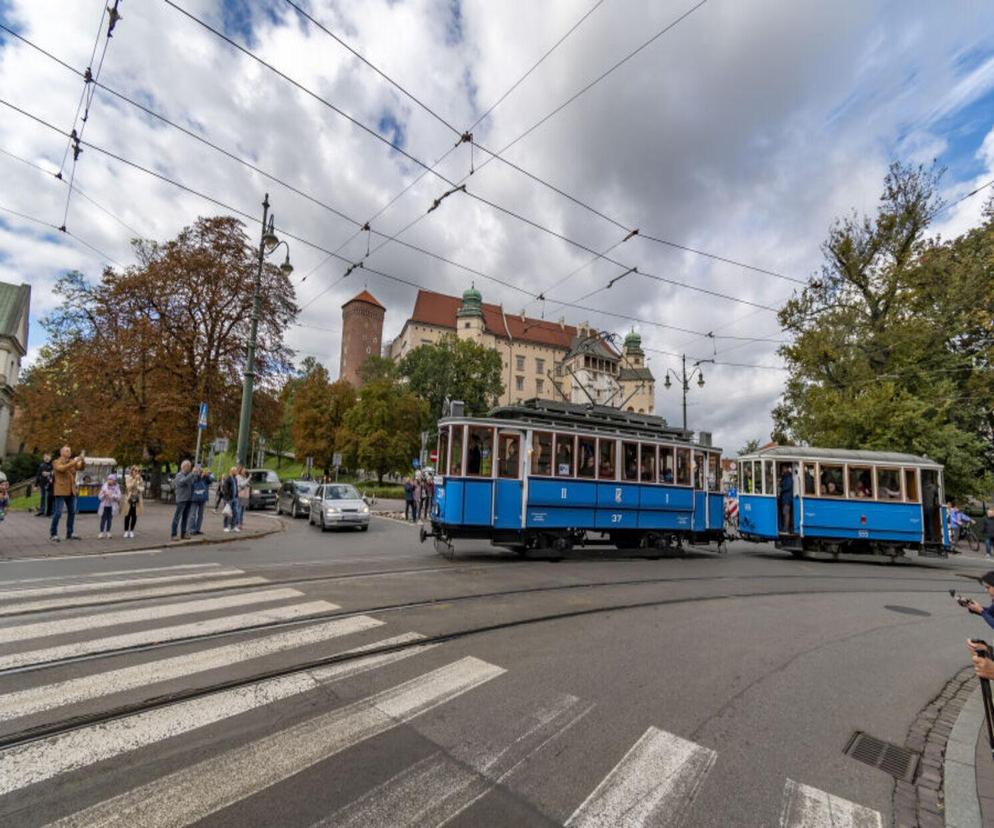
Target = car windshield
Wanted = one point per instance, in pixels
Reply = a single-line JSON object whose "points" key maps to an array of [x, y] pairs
{"points": [[306, 488], [340, 493], [264, 477]]}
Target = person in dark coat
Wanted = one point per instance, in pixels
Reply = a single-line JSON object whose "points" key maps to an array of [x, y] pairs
{"points": [[987, 531], [410, 506], [183, 486], [786, 499], [43, 480]]}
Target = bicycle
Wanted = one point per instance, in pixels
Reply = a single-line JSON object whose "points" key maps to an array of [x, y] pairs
{"points": [[969, 534]]}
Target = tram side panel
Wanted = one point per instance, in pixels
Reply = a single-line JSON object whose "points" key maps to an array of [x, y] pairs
{"points": [[666, 508], [899, 523], [758, 516]]}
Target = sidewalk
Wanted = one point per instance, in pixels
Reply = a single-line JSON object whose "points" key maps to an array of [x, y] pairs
{"points": [[22, 535]]}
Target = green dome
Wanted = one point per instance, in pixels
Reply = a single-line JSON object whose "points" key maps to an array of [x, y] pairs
{"points": [[633, 342], [472, 303]]}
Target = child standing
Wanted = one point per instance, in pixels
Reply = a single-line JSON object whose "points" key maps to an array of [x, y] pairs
{"points": [[110, 501]]}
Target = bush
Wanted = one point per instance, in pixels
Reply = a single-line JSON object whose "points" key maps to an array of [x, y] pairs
{"points": [[20, 467]]}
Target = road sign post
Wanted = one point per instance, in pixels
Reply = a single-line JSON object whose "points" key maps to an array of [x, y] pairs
{"points": [[336, 461], [201, 425]]}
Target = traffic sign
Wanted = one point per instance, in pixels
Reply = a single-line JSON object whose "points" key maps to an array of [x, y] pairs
{"points": [[415, 463], [220, 445], [336, 459], [202, 417], [433, 455]]}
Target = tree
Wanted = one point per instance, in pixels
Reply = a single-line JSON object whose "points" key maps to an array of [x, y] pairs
{"points": [[888, 346], [382, 431], [751, 447], [454, 368], [318, 410], [130, 357]]}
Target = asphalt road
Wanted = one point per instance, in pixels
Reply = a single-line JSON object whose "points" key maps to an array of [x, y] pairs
{"points": [[360, 679]]}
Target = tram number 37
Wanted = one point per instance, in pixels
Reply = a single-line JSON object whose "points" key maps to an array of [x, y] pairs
{"points": [[615, 518]]}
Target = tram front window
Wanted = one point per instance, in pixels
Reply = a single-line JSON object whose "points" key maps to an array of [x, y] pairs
{"points": [[747, 477], [455, 466], [542, 453], [509, 456], [587, 457], [605, 470], [443, 449], [480, 455]]}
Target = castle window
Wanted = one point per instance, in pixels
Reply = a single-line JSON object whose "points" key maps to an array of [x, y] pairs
{"points": [[465, 324], [539, 365], [520, 363], [519, 383], [539, 386]]}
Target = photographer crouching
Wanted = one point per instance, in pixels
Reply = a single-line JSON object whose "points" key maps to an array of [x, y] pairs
{"points": [[987, 581]]}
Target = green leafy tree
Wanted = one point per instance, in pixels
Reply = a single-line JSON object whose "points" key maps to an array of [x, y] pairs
{"points": [[382, 432], [318, 411], [751, 447], [887, 343], [454, 368]]}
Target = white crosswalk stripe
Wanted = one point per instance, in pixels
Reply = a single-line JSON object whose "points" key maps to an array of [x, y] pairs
{"points": [[39, 760], [131, 594], [74, 691], [162, 634], [199, 790], [442, 786], [807, 807], [68, 589], [654, 784], [93, 576]]}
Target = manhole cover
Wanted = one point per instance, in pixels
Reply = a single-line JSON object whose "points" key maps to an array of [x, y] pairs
{"points": [[895, 760], [907, 610]]}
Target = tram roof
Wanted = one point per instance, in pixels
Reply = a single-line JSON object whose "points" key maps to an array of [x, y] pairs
{"points": [[843, 455]]}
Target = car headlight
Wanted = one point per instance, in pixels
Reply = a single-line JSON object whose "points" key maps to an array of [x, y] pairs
{"points": [[333, 510], [304, 501], [256, 491], [364, 509]]}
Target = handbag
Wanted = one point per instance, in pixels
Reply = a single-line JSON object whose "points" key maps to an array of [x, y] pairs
{"points": [[226, 511], [133, 500]]}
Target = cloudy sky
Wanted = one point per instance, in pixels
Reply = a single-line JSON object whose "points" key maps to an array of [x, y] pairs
{"points": [[742, 131]]}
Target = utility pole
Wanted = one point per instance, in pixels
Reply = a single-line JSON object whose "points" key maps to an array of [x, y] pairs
{"points": [[684, 379]]}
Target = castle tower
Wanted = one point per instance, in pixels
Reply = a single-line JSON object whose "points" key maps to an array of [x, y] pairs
{"points": [[633, 350], [362, 335], [470, 316]]}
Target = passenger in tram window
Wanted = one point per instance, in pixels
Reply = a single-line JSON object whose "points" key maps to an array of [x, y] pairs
{"points": [[564, 457], [509, 459], [587, 465], [475, 457]]}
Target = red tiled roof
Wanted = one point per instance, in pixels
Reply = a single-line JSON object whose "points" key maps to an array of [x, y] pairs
{"points": [[366, 297], [440, 309]]}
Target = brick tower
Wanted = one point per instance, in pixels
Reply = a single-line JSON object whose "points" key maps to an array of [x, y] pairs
{"points": [[362, 335]]}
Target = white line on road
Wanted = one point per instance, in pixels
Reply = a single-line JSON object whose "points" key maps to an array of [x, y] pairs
{"points": [[160, 634], [654, 783], [807, 807], [77, 556], [95, 621], [127, 595], [73, 578], [73, 691], [67, 589], [439, 788], [194, 792]]}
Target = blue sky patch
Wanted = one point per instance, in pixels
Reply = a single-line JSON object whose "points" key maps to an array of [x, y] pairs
{"points": [[239, 17], [392, 129], [453, 27]]}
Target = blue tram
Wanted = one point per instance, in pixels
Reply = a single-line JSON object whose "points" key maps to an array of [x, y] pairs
{"points": [[546, 477], [838, 500]]}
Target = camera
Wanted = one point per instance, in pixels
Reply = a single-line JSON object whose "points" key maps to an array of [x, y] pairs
{"points": [[960, 599], [983, 648]]}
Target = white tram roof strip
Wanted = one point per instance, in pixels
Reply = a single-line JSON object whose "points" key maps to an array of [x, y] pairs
{"points": [[65, 589], [654, 783], [70, 601], [807, 807], [437, 789], [136, 615], [72, 579], [73, 691], [34, 762], [226, 623], [200, 789]]}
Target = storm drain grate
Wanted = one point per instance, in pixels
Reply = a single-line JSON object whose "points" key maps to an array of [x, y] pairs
{"points": [[899, 762]]}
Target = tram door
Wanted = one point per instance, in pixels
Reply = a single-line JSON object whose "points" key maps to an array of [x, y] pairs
{"points": [[931, 506], [787, 498]]}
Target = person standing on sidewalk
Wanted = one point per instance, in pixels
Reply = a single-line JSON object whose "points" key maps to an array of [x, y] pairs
{"points": [[110, 501], [243, 483], [43, 480], [4, 495], [229, 492], [134, 494], [409, 506], [64, 470], [201, 494], [987, 530], [183, 486]]}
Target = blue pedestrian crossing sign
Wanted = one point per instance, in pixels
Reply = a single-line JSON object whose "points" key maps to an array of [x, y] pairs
{"points": [[202, 417]]}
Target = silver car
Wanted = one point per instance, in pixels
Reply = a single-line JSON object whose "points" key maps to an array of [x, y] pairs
{"points": [[339, 505], [294, 498]]}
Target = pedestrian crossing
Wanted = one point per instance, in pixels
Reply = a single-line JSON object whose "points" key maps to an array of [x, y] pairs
{"points": [[381, 683]]}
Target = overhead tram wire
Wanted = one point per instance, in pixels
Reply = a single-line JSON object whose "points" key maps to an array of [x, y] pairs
{"points": [[498, 155], [500, 208], [82, 94], [104, 257]]}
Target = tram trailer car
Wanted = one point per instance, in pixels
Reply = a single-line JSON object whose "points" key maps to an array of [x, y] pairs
{"points": [[839, 500], [544, 477]]}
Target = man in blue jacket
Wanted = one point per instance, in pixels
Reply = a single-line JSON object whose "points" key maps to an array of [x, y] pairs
{"points": [[987, 580]]}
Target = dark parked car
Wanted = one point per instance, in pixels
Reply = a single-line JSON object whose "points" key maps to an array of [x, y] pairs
{"points": [[294, 498], [263, 486]]}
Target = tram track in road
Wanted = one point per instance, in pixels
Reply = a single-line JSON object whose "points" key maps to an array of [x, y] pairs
{"points": [[59, 727]]}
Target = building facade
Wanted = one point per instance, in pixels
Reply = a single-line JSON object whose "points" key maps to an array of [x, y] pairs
{"points": [[15, 305], [541, 359], [362, 335]]}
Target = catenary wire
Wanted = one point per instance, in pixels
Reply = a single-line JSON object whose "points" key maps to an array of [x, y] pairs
{"points": [[71, 235]]}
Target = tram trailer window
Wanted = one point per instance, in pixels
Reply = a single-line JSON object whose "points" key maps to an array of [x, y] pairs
{"points": [[565, 455], [810, 478], [831, 480], [911, 485], [769, 477], [509, 456], [746, 487], [683, 466], [541, 461], [586, 457], [648, 463], [606, 466], [630, 461], [861, 482], [889, 484], [666, 464], [714, 463]]}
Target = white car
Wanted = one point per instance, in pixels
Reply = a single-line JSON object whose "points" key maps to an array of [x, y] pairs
{"points": [[338, 505]]}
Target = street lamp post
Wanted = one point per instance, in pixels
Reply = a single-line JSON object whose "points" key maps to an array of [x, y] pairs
{"points": [[267, 245], [685, 379]]}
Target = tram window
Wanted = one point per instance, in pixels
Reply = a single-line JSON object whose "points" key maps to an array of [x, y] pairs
{"points": [[564, 455], [605, 468], [809, 479], [455, 462], [480, 453], [443, 449], [542, 453], [910, 486], [629, 461], [713, 472], [666, 464], [648, 463], [683, 467], [769, 477], [746, 486], [860, 482], [587, 457], [509, 456], [889, 484], [698, 470], [832, 481]]}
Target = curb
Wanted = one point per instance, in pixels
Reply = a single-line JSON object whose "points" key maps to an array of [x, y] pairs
{"points": [[161, 547], [960, 769]]}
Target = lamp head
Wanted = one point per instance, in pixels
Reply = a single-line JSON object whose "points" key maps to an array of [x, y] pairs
{"points": [[667, 383], [269, 237], [286, 268], [700, 380]]}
